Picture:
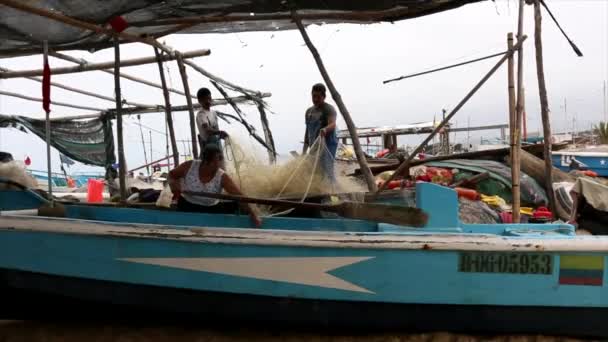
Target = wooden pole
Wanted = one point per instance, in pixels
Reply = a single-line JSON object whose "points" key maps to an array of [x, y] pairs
{"points": [[184, 75], [122, 167], [222, 81], [163, 81], [367, 173], [36, 99], [405, 164], [22, 6], [100, 66], [519, 109], [47, 123], [544, 105], [80, 91], [363, 16], [272, 155], [514, 154]]}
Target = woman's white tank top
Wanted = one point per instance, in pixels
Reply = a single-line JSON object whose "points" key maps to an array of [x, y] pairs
{"points": [[192, 182]]}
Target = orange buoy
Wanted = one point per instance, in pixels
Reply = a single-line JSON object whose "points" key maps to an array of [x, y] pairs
{"points": [[467, 193]]}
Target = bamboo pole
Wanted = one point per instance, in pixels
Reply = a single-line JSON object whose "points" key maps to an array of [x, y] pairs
{"points": [[544, 104], [184, 75], [405, 164], [36, 99], [519, 109], [367, 173], [101, 66], [21, 6], [514, 151], [222, 81], [151, 110], [143, 143], [122, 167], [80, 91], [47, 126], [84, 62], [163, 81]]}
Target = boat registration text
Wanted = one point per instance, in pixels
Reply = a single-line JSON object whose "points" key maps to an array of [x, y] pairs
{"points": [[516, 263]]}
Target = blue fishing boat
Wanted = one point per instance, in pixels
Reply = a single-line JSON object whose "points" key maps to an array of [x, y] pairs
{"points": [[590, 158], [447, 275]]}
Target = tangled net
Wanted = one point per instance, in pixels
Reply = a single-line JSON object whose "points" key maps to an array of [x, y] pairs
{"points": [[295, 179]]}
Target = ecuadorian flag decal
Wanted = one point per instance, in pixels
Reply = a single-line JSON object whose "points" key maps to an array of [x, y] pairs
{"points": [[581, 270]]}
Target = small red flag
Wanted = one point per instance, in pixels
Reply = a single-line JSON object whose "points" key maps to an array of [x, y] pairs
{"points": [[118, 24], [46, 88]]}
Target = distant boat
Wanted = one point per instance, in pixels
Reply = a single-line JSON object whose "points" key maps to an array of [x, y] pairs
{"points": [[594, 158]]}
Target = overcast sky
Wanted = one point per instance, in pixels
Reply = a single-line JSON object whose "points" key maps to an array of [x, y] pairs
{"points": [[359, 58]]}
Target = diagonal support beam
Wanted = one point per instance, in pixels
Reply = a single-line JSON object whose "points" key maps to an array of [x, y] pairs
{"points": [[405, 164]]}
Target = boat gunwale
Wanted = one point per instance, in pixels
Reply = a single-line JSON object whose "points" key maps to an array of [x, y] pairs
{"points": [[429, 241]]}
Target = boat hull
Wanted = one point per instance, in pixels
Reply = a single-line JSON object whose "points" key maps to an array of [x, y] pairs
{"points": [[31, 295]]}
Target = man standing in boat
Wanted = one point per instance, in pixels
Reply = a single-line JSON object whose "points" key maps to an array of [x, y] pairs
{"points": [[206, 121], [321, 123]]}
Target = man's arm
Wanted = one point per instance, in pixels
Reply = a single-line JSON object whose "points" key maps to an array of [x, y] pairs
{"points": [[331, 121]]}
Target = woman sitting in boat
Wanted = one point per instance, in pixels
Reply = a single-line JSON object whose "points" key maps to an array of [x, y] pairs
{"points": [[206, 176]]}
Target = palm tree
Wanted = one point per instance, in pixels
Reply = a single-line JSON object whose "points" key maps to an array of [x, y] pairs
{"points": [[602, 132]]}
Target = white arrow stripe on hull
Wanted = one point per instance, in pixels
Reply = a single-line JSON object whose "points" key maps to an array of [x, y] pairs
{"points": [[297, 270]]}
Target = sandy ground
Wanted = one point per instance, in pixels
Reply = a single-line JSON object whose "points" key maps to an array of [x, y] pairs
{"points": [[17, 331]]}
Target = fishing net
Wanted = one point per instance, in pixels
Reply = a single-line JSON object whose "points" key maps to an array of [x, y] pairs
{"points": [[295, 179]]}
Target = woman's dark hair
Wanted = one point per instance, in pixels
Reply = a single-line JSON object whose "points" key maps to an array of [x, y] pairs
{"points": [[320, 88], [203, 92], [210, 152]]}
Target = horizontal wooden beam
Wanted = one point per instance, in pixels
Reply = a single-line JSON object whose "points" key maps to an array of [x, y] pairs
{"points": [[101, 66], [81, 61], [35, 99], [80, 91], [360, 16]]}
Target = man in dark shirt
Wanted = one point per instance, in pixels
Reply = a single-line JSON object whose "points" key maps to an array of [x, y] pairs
{"points": [[321, 123]]}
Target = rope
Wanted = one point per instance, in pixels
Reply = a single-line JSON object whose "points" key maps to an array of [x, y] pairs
{"points": [[237, 163], [296, 170], [314, 168]]}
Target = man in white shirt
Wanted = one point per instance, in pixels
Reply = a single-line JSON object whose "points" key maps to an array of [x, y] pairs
{"points": [[206, 121]]}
